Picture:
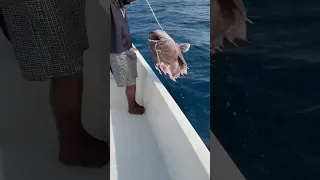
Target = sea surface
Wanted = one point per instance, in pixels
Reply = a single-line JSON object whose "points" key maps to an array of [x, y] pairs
{"points": [[186, 21], [266, 93]]}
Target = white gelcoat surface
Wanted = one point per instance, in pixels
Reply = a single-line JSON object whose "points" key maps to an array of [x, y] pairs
{"points": [[161, 144]]}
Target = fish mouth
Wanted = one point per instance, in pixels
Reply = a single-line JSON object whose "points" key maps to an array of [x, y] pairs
{"points": [[154, 35]]}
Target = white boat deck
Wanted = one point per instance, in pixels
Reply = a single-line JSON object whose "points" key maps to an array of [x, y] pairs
{"points": [[159, 145], [135, 153]]}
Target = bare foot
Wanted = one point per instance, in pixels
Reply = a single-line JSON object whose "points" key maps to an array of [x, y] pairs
{"points": [[86, 152], [136, 109]]}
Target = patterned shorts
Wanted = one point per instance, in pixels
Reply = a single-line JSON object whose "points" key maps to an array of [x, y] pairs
{"points": [[124, 68], [48, 36]]}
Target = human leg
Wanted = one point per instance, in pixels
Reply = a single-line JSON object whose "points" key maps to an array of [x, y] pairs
{"points": [[77, 147], [50, 47], [133, 106], [124, 67]]}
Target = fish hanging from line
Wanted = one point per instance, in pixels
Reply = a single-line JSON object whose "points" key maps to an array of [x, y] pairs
{"points": [[228, 21], [167, 54]]}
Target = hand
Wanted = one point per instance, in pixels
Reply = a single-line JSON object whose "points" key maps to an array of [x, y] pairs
{"points": [[134, 49]]}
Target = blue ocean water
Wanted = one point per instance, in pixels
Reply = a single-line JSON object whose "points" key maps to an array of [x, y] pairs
{"points": [[266, 93], [186, 21]]}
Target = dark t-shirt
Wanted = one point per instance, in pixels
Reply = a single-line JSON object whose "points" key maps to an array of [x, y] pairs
{"points": [[120, 32]]}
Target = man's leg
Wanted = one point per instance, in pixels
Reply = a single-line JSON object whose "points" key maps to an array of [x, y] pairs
{"points": [[134, 107], [124, 69], [77, 147]]}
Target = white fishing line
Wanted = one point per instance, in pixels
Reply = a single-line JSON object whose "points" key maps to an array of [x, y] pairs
{"points": [[155, 17]]}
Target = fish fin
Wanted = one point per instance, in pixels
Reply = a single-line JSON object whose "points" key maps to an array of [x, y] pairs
{"points": [[184, 47]]}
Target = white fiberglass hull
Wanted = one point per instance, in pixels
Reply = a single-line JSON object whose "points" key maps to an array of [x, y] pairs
{"points": [[159, 145]]}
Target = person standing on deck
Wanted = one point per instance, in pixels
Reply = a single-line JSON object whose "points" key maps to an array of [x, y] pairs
{"points": [[123, 60], [48, 39]]}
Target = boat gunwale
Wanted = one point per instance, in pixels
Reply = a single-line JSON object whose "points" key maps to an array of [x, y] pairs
{"points": [[190, 133]]}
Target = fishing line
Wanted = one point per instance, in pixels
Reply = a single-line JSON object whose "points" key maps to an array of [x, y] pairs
{"points": [[155, 17]]}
